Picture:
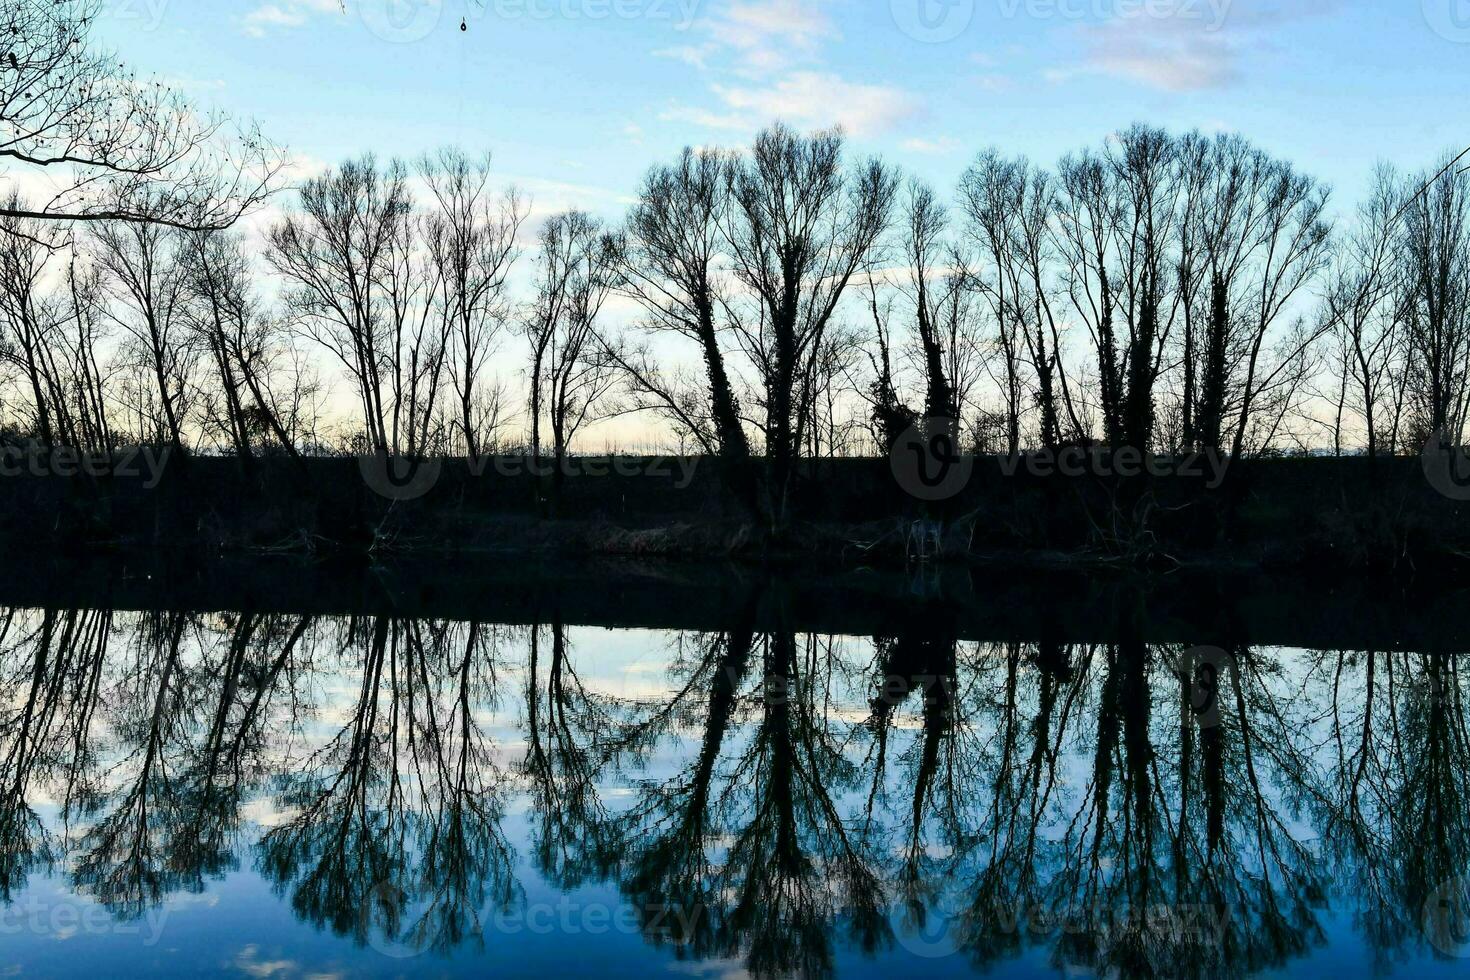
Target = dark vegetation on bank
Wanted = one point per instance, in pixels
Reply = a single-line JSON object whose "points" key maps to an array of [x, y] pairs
{"points": [[1325, 515]]}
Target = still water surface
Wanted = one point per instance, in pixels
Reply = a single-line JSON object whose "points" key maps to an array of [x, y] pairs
{"points": [[283, 795]]}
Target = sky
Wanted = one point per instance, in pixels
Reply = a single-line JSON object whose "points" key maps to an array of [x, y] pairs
{"points": [[576, 97]]}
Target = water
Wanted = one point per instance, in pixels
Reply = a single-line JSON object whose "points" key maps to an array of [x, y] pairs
{"points": [[291, 789]]}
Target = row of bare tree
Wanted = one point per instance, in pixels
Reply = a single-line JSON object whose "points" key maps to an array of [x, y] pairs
{"points": [[1159, 292], [1162, 292]]}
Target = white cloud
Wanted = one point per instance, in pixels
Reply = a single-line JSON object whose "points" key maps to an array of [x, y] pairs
{"points": [[285, 15], [768, 54], [757, 38], [769, 34], [261, 19], [1184, 47], [248, 961], [1172, 60], [806, 100], [547, 197], [706, 118]]}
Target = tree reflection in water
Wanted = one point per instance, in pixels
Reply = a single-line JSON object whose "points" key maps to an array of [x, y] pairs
{"points": [[786, 797]]}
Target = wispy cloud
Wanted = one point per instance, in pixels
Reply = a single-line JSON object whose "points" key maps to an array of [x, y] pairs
{"points": [[1165, 56], [765, 62], [757, 37], [806, 100], [1186, 46], [770, 35], [248, 961], [285, 15]]}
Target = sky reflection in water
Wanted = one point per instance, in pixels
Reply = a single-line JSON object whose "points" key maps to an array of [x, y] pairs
{"points": [[282, 796]]}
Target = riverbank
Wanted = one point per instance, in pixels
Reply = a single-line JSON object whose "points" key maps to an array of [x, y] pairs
{"points": [[1344, 515]]}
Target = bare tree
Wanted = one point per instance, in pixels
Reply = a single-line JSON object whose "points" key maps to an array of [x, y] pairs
{"points": [[1010, 206], [800, 227], [31, 318], [924, 224], [891, 416], [217, 282], [83, 378], [570, 374], [960, 322], [824, 402], [118, 147], [471, 240], [1436, 304], [243, 343], [148, 285], [670, 267], [1295, 238], [1116, 224], [1262, 238], [364, 290], [1361, 306]]}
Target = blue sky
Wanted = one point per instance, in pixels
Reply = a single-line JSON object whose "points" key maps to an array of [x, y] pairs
{"points": [[576, 97]]}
